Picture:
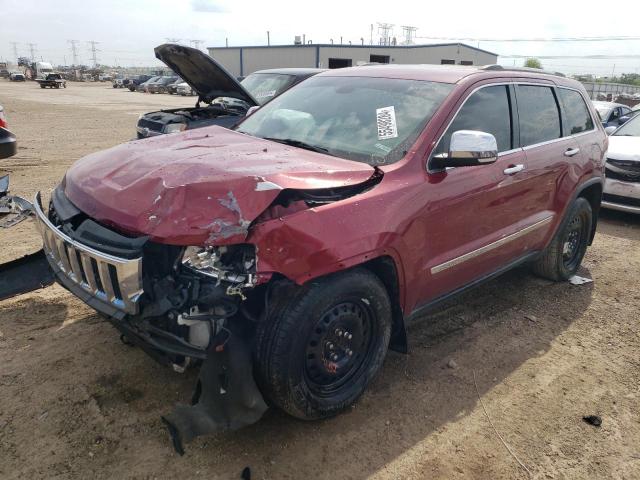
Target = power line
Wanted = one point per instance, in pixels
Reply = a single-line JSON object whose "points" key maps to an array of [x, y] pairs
{"points": [[74, 51], [32, 50], [15, 50], [385, 30], [592, 57], [409, 34], [196, 43], [540, 39], [94, 51]]}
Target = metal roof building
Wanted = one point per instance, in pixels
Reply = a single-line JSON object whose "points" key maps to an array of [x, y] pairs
{"points": [[242, 61]]}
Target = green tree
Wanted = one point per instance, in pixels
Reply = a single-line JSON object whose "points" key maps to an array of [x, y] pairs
{"points": [[533, 63]]}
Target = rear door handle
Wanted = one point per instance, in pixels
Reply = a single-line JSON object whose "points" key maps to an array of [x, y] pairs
{"points": [[571, 152], [514, 169]]}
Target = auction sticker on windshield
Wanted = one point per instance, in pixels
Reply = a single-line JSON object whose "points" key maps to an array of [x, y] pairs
{"points": [[386, 120]]}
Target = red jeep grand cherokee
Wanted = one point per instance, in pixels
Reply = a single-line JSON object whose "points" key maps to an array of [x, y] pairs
{"points": [[284, 257]]}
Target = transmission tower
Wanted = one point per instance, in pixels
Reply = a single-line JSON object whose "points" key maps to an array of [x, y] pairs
{"points": [[172, 40], [409, 34], [32, 50], [94, 51], [385, 30], [74, 50], [15, 50], [196, 43]]}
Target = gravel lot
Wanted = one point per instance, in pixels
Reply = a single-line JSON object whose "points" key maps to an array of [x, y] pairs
{"points": [[77, 403]]}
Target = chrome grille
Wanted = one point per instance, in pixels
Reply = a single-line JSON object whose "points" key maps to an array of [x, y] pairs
{"points": [[117, 281]]}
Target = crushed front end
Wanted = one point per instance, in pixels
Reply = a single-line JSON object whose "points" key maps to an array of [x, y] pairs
{"points": [[179, 304]]}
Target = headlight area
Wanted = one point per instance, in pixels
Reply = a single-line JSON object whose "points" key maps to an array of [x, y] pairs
{"points": [[186, 307], [174, 127], [215, 320], [234, 265]]}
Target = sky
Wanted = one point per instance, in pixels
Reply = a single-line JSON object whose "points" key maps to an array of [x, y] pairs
{"points": [[127, 30]]}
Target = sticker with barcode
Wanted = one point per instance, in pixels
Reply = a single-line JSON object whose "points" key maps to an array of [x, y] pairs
{"points": [[386, 120]]}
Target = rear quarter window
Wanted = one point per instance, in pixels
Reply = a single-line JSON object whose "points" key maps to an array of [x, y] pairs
{"points": [[538, 113], [576, 114]]}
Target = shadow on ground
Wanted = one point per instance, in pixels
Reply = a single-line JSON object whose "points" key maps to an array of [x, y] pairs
{"points": [[105, 397]]}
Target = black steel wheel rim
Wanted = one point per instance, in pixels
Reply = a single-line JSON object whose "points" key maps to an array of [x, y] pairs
{"points": [[339, 347], [573, 242]]}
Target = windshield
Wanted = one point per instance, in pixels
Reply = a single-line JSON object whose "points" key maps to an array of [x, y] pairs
{"points": [[631, 128], [370, 120], [603, 110], [264, 86]]}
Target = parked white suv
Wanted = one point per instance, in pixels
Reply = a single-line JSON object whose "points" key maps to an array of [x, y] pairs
{"points": [[622, 173]]}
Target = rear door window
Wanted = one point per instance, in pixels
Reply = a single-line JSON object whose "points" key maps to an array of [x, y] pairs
{"points": [[538, 113], [486, 110], [576, 114]]}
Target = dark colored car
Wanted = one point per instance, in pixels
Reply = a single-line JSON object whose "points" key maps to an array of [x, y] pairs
{"points": [[160, 85], [4, 73], [172, 88], [226, 99], [134, 82], [285, 256], [52, 80]]}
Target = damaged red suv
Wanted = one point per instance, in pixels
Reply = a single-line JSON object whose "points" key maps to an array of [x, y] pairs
{"points": [[284, 257]]}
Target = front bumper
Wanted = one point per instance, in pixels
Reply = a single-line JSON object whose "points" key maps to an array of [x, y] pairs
{"points": [[114, 283], [620, 195]]}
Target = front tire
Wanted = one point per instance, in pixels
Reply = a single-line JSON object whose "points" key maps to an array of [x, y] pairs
{"points": [[562, 258], [320, 348]]}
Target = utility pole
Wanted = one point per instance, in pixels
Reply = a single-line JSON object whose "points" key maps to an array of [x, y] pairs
{"points": [[15, 50], [196, 43], [74, 50], [386, 31], [409, 34], [32, 50], [268, 38], [94, 51]]}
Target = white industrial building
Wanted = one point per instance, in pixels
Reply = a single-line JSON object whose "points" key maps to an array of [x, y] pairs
{"points": [[242, 61]]}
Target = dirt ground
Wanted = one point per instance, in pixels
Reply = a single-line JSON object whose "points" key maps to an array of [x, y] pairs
{"points": [[77, 403]]}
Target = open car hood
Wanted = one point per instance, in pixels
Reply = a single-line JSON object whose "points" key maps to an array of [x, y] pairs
{"points": [[207, 77], [199, 187]]}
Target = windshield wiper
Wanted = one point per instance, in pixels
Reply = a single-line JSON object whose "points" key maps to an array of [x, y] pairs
{"points": [[298, 143]]}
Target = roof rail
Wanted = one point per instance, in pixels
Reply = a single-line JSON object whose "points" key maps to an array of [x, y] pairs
{"points": [[521, 69]]}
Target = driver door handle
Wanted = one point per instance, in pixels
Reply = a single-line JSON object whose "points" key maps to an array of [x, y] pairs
{"points": [[571, 152], [513, 169]]}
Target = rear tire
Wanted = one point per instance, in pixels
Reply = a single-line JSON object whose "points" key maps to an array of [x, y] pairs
{"points": [[319, 349], [562, 258]]}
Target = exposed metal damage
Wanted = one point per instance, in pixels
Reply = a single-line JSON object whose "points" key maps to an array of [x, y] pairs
{"points": [[176, 265], [13, 209]]}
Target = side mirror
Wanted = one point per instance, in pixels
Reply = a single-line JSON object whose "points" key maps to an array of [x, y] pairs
{"points": [[610, 130], [468, 148], [623, 119], [8, 145], [252, 109]]}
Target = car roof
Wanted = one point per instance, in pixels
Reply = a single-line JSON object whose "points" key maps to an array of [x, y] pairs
{"points": [[608, 104], [448, 73]]}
